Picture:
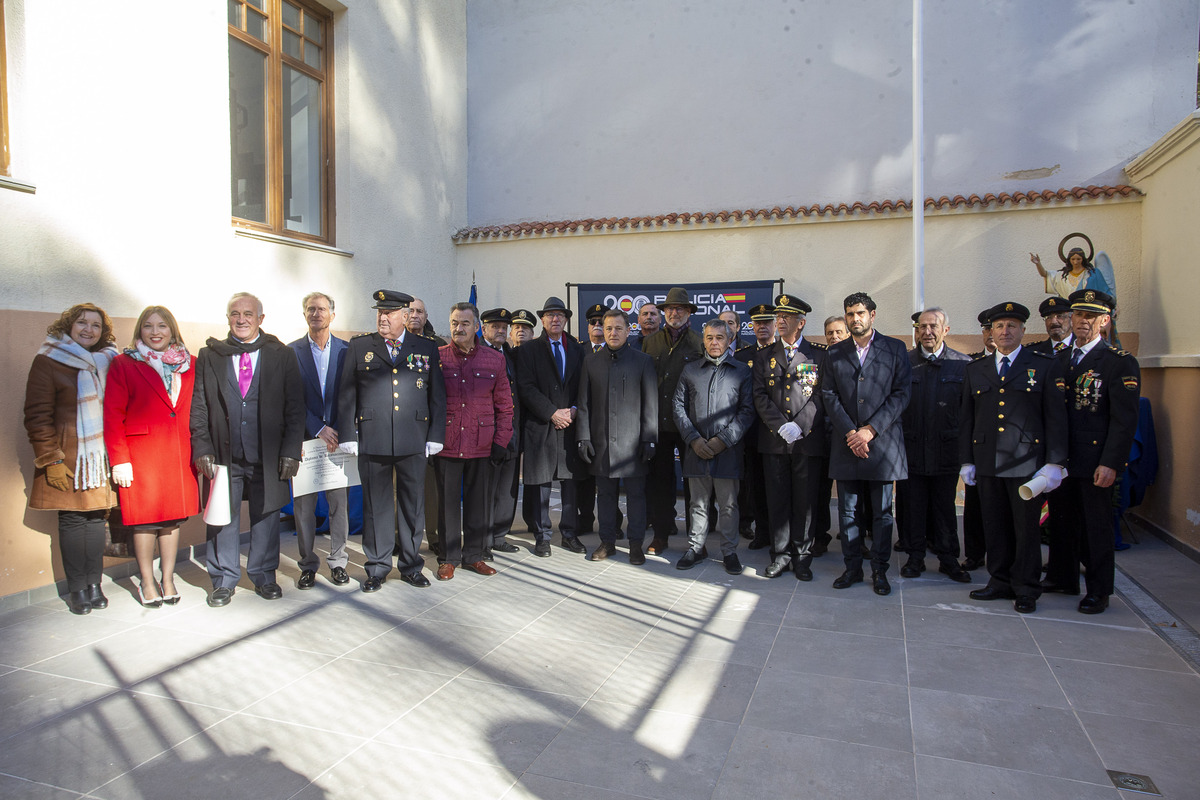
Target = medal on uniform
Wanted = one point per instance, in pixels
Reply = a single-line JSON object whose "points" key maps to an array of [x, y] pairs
{"points": [[420, 383], [367, 357], [1032, 376], [773, 362]]}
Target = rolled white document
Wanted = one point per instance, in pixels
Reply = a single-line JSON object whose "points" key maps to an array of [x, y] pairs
{"points": [[1036, 485], [217, 511]]}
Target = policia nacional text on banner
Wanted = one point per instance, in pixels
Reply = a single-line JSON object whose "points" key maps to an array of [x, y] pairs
{"points": [[712, 299]]}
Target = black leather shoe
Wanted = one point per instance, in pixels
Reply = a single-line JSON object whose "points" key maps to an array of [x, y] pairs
{"points": [[96, 597], [372, 584], [602, 552], [688, 559], [78, 602], [954, 572], [1025, 604], [992, 593], [1050, 587], [803, 571], [776, 568], [338, 576], [542, 549], [746, 533], [269, 591], [733, 564], [417, 579], [308, 579], [848, 579], [912, 568], [880, 585], [506, 547], [487, 555], [220, 597], [820, 547], [636, 556], [573, 544], [758, 544], [1093, 604], [972, 563]]}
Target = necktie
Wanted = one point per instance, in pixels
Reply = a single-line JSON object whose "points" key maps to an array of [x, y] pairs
{"points": [[559, 361], [791, 353], [1059, 346], [245, 373], [1076, 357], [1003, 367], [596, 348]]}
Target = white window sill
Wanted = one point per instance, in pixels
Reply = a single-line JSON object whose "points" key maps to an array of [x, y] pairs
{"points": [[17, 186], [275, 238]]}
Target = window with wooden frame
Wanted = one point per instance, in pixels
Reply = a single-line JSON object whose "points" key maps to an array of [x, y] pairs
{"points": [[281, 117], [3, 98]]}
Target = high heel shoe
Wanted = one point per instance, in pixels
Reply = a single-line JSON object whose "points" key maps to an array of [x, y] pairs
{"points": [[169, 599], [154, 603]]}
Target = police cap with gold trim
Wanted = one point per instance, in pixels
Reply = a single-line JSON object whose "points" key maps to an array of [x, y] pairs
{"points": [[1092, 300], [595, 312], [390, 300], [496, 315], [1008, 311], [763, 312], [524, 317], [1054, 305], [790, 304]]}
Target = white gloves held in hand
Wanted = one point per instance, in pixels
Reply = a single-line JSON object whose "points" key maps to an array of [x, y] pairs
{"points": [[790, 432], [122, 475]]}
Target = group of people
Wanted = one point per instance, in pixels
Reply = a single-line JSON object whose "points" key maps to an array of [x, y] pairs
{"points": [[446, 433]]}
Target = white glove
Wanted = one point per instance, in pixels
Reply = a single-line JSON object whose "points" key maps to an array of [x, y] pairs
{"points": [[122, 475], [1053, 474], [790, 432], [432, 449], [349, 448], [967, 473]]}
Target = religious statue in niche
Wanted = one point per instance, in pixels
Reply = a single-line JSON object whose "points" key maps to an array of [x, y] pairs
{"points": [[1079, 272]]}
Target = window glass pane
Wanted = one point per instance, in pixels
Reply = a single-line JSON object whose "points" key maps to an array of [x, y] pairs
{"points": [[291, 16], [248, 130], [235, 14], [302, 199], [256, 25], [312, 55], [256, 3], [291, 44], [313, 29]]}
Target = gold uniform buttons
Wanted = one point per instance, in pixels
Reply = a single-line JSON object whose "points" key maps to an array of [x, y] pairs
{"points": [[1000, 429], [1000, 416], [1001, 402], [395, 394]]}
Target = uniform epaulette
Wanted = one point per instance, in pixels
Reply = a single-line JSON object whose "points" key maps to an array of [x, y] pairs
{"points": [[746, 347], [979, 355], [360, 335], [1121, 353], [818, 346], [1042, 353]]}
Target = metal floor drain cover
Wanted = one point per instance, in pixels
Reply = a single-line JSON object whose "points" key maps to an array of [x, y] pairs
{"points": [[1129, 782]]}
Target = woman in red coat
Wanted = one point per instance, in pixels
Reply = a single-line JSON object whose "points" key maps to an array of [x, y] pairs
{"points": [[147, 411]]}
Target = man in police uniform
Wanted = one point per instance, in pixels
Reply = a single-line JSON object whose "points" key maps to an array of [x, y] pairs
{"points": [[1102, 390], [752, 494], [1014, 428], [785, 380], [521, 331], [505, 477], [392, 409], [1056, 314], [521, 327], [974, 547], [585, 491]]}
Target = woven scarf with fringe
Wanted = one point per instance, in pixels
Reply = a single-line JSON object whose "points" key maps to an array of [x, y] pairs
{"points": [[91, 460]]}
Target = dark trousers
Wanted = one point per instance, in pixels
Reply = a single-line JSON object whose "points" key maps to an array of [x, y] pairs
{"points": [[819, 494], [81, 544], [392, 484], [1087, 538], [541, 509], [927, 502], [432, 520], [1014, 539], [608, 491], [224, 543], [752, 495], [585, 504], [787, 506], [879, 496], [660, 485], [974, 546], [529, 502], [501, 501], [464, 484]]}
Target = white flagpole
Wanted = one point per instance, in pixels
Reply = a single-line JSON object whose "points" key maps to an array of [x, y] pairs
{"points": [[918, 138]]}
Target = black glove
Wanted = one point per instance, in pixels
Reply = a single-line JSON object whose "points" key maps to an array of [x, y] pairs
{"points": [[586, 452], [716, 446], [206, 465], [499, 455], [288, 467], [646, 454]]}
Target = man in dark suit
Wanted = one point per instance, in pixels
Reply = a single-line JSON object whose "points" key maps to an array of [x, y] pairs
{"points": [[504, 477], [1014, 427], [547, 382], [618, 426], [752, 493], [521, 332], [586, 486], [247, 414], [649, 320], [1102, 391], [320, 355], [1056, 315], [392, 407], [785, 381], [930, 421], [865, 388], [974, 547]]}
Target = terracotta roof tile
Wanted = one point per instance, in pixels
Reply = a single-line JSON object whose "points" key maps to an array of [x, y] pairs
{"points": [[942, 203]]}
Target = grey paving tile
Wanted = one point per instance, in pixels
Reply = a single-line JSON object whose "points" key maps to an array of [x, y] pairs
{"points": [[431, 646], [840, 655], [765, 764], [126, 658], [23, 614], [42, 637], [847, 615], [951, 596], [31, 698], [349, 697], [501, 611], [1060, 607], [1004, 733], [699, 687], [825, 572], [99, 741], [1153, 695], [260, 757], [582, 621], [645, 753], [1021, 677], [549, 664], [537, 787], [500, 725], [944, 779], [708, 600], [968, 628], [31, 790], [1106, 644], [1166, 753], [862, 712], [716, 639]]}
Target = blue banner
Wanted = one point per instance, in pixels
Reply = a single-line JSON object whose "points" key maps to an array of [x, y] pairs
{"points": [[711, 298]]}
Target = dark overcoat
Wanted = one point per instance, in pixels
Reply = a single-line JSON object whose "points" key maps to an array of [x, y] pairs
{"points": [[714, 400], [873, 393], [618, 409], [931, 418], [669, 361], [550, 453]]}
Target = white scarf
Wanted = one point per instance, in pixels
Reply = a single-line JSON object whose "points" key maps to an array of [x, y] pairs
{"points": [[91, 459]]}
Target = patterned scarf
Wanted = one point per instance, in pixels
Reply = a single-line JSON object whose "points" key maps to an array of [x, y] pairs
{"points": [[91, 460], [172, 360]]}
